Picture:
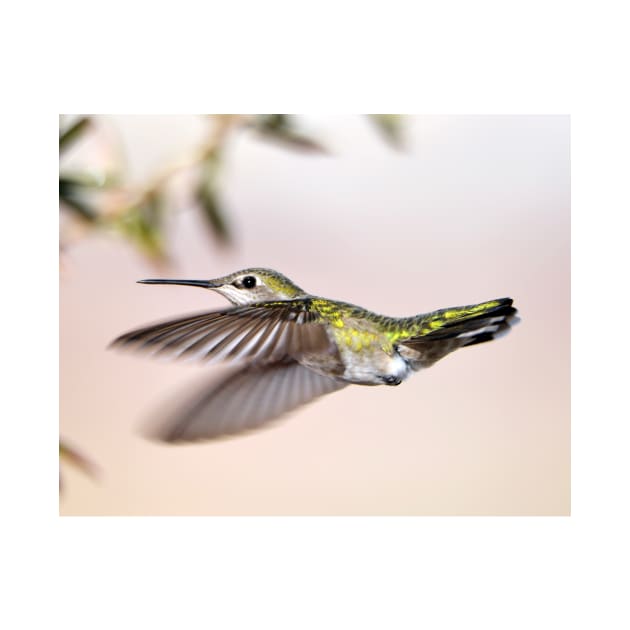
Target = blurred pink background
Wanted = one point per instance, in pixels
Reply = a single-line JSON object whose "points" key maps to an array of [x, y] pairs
{"points": [[476, 207]]}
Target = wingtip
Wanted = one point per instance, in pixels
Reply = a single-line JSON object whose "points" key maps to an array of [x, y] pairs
{"points": [[113, 343]]}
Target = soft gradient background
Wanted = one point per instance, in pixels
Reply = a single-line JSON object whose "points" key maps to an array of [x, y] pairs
{"points": [[474, 208]]}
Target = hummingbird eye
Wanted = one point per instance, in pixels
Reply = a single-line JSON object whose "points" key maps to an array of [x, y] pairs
{"points": [[249, 282]]}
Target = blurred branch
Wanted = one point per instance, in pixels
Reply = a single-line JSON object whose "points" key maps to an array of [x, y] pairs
{"points": [[207, 159], [139, 213]]}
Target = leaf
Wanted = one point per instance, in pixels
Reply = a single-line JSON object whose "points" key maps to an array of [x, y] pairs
{"points": [[273, 122], [280, 128], [76, 459], [74, 132], [213, 213], [208, 198], [390, 126], [90, 180], [143, 224], [71, 198]]}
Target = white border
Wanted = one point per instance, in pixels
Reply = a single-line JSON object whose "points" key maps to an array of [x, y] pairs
{"points": [[478, 57]]}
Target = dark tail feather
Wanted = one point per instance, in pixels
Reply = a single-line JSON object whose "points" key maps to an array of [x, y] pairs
{"points": [[503, 328], [480, 338]]}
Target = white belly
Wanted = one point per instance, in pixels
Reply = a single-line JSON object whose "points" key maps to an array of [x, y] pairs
{"points": [[365, 370]]}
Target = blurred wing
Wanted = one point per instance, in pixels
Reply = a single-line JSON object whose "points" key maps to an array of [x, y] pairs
{"points": [[265, 332], [246, 400]]}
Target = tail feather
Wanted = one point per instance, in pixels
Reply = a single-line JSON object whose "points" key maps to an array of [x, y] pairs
{"points": [[446, 330]]}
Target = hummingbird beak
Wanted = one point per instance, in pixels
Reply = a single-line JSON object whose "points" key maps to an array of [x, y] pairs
{"points": [[204, 284]]}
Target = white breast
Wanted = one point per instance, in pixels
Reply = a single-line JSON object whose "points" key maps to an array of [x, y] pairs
{"points": [[368, 369]]}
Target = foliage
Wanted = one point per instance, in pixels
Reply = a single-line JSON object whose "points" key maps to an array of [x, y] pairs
{"points": [[139, 215]]}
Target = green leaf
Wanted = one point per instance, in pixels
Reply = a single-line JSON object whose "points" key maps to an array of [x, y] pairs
{"points": [[213, 213], [390, 126], [280, 128], [208, 198], [90, 180], [74, 458], [74, 132], [273, 122], [143, 225], [71, 198]]}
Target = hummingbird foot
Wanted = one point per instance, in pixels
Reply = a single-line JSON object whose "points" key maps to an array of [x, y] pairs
{"points": [[392, 380]]}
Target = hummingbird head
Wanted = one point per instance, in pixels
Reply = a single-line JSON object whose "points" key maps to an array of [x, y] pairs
{"points": [[248, 286]]}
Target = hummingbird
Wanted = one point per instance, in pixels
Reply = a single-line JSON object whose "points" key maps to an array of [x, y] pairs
{"points": [[290, 347]]}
